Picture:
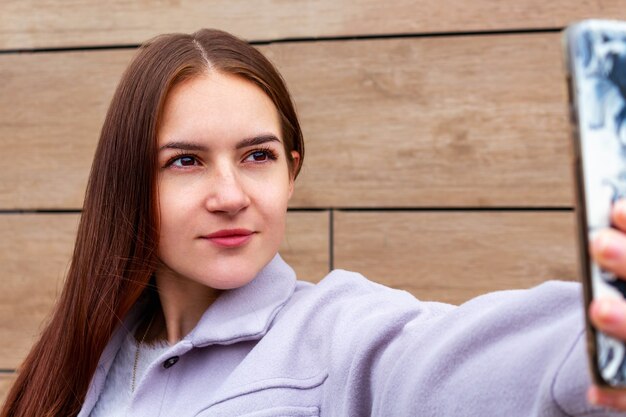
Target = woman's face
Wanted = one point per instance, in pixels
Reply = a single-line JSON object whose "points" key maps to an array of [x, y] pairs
{"points": [[223, 181]]}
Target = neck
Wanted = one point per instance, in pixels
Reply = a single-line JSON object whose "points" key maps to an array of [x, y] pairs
{"points": [[183, 302]]}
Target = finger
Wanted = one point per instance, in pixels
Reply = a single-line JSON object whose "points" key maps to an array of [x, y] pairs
{"points": [[608, 249], [607, 398], [618, 214], [609, 316]]}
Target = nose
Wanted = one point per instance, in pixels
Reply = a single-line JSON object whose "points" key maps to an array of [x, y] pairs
{"points": [[226, 193]]}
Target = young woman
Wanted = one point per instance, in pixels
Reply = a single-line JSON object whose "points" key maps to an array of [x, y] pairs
{"points": [[177, 303]]}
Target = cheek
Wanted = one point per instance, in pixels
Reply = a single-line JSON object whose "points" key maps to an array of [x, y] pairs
{"points": [[167, 204], [273, 198], [270, 204], [174, 210], [178, 194]]}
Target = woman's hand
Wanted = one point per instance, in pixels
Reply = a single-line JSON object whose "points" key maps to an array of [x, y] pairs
{"points": [[609, 315]]}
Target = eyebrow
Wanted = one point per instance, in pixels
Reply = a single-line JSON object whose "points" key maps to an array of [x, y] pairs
{"points": [[256, 140], [244, 143]]}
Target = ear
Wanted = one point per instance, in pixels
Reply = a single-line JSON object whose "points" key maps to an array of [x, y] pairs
{"points": [[295, 162]]}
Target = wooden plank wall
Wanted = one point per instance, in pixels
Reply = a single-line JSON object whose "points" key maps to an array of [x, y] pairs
{"points": [[437, 142]]}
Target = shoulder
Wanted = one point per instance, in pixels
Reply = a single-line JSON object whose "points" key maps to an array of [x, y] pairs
{"points": [[348, 301], [349, 297], [350, 289], [344, 283]]}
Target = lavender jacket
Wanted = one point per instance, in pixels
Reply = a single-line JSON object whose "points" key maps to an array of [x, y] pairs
{"points": [[350, 347]]}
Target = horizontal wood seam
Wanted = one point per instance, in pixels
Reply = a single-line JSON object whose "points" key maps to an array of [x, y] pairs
{"points": [[304, 40], [455, 209]]}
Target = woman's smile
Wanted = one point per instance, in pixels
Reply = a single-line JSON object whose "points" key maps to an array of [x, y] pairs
{"points": [[230, 238]]}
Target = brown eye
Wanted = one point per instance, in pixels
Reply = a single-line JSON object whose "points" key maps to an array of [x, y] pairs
{"points": [[184, 161], [262, 155], [259, 156]]}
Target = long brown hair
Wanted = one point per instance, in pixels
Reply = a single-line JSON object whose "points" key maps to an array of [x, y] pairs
{"points": [[116, 247]]}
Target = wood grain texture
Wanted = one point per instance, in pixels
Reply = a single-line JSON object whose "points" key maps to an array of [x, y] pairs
{"points": [[412, 122], [435, 122], [51, 111], [454, 256], [306, 246], [6, 380], [35, 251], [47, 23]]}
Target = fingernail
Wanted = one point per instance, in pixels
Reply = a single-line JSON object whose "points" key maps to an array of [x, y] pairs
{"points": [[604, 310], [610, 313], [607, 248]]}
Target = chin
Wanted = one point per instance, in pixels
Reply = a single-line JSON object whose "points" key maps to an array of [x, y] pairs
{"points": [[230, 277], [229, 284]]}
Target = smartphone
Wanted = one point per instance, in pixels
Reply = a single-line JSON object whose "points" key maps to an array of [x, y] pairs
{"points": [[595, 57]]}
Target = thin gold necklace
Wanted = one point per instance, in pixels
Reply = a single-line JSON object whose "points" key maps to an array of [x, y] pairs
{"points": [[132, 385]]}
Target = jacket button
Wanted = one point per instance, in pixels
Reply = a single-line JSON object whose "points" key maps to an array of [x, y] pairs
{"points": [[170, 362]]}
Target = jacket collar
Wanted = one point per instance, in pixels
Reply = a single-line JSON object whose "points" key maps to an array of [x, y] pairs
{"points": [[244, 313]]}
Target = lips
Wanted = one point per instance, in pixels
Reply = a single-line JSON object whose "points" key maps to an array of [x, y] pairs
{"points": [[230, 238]]}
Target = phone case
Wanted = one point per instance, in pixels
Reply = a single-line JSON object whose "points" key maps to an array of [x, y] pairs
{"points": [[595, 53]]}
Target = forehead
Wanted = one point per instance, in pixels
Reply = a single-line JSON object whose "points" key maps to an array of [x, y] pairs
{"points": [[217, 105]]}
